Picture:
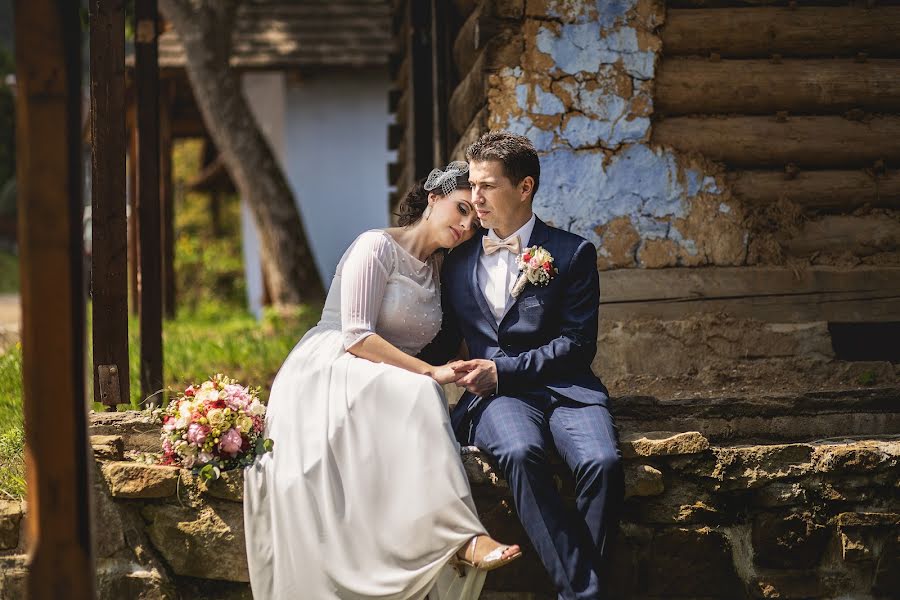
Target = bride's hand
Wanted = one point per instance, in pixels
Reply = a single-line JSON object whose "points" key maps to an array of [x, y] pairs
{"points": [[445, 374]]}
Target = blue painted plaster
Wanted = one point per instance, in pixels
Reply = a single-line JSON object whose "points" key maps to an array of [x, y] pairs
{"points": [[544, 103], [580, 47], [579, 193]]}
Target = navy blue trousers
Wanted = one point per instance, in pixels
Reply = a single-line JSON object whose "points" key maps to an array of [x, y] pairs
{"points": [[573, 544]]}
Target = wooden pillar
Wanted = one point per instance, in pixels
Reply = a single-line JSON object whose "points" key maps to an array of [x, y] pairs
{"points": [[133, 246], [49, 178], [146, 84], [110, 229], [167, 197], [441, 70], [421, 117]]}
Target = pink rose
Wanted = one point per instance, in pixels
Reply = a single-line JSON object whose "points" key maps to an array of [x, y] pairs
{"points": [[236, 397], [197, 433], [231, 442]]}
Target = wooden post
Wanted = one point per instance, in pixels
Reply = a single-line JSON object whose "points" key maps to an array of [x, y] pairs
{"points": [[48, 172], [146, 83], [421, 148], [440, 74], [167, 197], [133, 246], [110, 229]]}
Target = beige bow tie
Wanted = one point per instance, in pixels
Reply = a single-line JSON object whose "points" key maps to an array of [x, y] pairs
{"points": [[491, 245]]}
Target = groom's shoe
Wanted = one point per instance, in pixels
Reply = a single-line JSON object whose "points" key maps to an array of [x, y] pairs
{"points": [[501, 555]]}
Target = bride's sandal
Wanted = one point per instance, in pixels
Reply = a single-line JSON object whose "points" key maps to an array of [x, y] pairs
{"points": [[490, 561]]}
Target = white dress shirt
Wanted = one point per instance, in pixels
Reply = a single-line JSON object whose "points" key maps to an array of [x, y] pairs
{"points": [[497, 272]]}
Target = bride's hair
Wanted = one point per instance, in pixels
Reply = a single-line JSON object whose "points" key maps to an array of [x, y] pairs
{"points": [[413, 206]]}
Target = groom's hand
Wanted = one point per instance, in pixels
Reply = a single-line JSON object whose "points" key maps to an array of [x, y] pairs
{"points": [[480, 375]]}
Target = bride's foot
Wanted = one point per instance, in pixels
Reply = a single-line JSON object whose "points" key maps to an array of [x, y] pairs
{"points": [[485, 553]]}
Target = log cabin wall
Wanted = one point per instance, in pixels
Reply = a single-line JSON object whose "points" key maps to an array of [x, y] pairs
{"points": [[755, 138], [799, 102]]}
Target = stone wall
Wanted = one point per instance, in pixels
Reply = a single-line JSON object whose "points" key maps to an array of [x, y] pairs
{"points": [[702, 520]]}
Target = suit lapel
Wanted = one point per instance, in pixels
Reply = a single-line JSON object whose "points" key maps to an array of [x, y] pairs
{"points": [[538, 237], [477, 292]]}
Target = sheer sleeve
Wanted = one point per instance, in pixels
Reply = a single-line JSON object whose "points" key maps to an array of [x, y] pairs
{"points": [[364, 276]]}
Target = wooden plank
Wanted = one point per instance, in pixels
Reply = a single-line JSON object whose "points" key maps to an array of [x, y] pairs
{"points": [[826, 191], [133, 246], [800, 32], [421, 122], [775, 294], [814, 86], [146, 81], [470, 135], [441, 80], [854, 235], [472, 37], [814, 142], [108, 202], [49, 195], [167, 198]]}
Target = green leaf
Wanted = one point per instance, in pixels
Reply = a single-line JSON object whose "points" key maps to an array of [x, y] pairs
{"points": [[268, 444]]}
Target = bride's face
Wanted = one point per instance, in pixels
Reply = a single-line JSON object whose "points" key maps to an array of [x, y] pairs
{"points": [[452, 218]]}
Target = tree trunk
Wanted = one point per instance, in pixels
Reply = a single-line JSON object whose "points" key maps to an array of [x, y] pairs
{"points": [[204, 27]]}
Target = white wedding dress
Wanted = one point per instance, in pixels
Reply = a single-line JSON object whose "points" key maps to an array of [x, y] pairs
{"points": [[364, 495]]}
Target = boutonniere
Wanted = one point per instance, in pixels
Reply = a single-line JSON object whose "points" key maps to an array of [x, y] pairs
{"points": [[536, 265]]}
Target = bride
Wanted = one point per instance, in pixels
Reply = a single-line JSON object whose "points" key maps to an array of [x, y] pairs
{"points": [[364, 495]]}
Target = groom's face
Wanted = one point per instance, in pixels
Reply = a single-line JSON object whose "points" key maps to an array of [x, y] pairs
{"points": [[499, 204]]}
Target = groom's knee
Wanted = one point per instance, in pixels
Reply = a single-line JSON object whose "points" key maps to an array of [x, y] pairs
{"points": [[517, 455], [599, 471]]}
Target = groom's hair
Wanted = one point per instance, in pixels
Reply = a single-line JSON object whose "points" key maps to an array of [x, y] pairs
{"points": [[515, 152]]}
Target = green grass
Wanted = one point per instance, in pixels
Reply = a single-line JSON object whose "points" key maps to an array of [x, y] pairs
{"points": [[9, 273], [196, 345]]}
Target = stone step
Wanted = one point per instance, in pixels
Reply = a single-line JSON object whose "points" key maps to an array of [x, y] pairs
{"points": [[701, 520]]}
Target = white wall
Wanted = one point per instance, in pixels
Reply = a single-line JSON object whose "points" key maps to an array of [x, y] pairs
{"points": [[336, 154], [329, 131]]}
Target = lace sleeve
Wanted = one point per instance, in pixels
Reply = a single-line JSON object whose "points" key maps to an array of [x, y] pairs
{"points": [[364, 276]]}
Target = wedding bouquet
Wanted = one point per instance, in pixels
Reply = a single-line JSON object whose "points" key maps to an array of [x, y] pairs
{"points": [[214, 427]]}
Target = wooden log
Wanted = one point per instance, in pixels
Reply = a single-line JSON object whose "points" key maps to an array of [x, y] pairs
{"points": [[814, 142], [470, 95], [49, 196], [441, 78], [824, 191], [109, 255], [146, 78], [798, 32], [421, 124], [773, 294], [465, 7], [815, 86], [133, 246], [472, 37], [845, 234], [470, 135]]}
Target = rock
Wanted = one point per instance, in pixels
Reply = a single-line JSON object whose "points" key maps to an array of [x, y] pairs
{"points": [[13, 576], [781, 494], [643, 480], [119, 578], [862, 533], [692, 563], [229, 486], [749, 467], [858, 456], [788, 540], [663, 443], [797, 584], [138, 480], [206, 543], [887, 571], [10, 518], [137, 429], [108, 447]]}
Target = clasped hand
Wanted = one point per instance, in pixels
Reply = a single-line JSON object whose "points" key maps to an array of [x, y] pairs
{"points": [[478, 376]]}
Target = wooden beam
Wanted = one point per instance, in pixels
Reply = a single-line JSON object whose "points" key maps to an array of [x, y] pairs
{"points": [[470, 135], [167, 197], [775, 294], [146, 80], [477, 29], [814, 142], [825, 191], [813, 86], [760, 32], [863, 235], [441, 80], [133, 246], [421, 122], [49, 179], [109, 204]]}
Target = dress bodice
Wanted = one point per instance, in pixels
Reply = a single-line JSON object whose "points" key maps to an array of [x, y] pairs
{"points": [[381, 288]]}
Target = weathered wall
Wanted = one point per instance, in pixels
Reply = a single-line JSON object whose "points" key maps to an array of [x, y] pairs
{"points": [[583, 93]]}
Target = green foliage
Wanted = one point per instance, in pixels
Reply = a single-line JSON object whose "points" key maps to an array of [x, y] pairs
{"points": [[9, 273], [11, 388], [12, 463]]}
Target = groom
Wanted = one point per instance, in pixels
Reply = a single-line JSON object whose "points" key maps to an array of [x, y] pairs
{"points": [[530, 389]]}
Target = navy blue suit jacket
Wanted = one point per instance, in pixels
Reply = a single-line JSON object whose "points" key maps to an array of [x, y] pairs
{"points": [[545, 342]]}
